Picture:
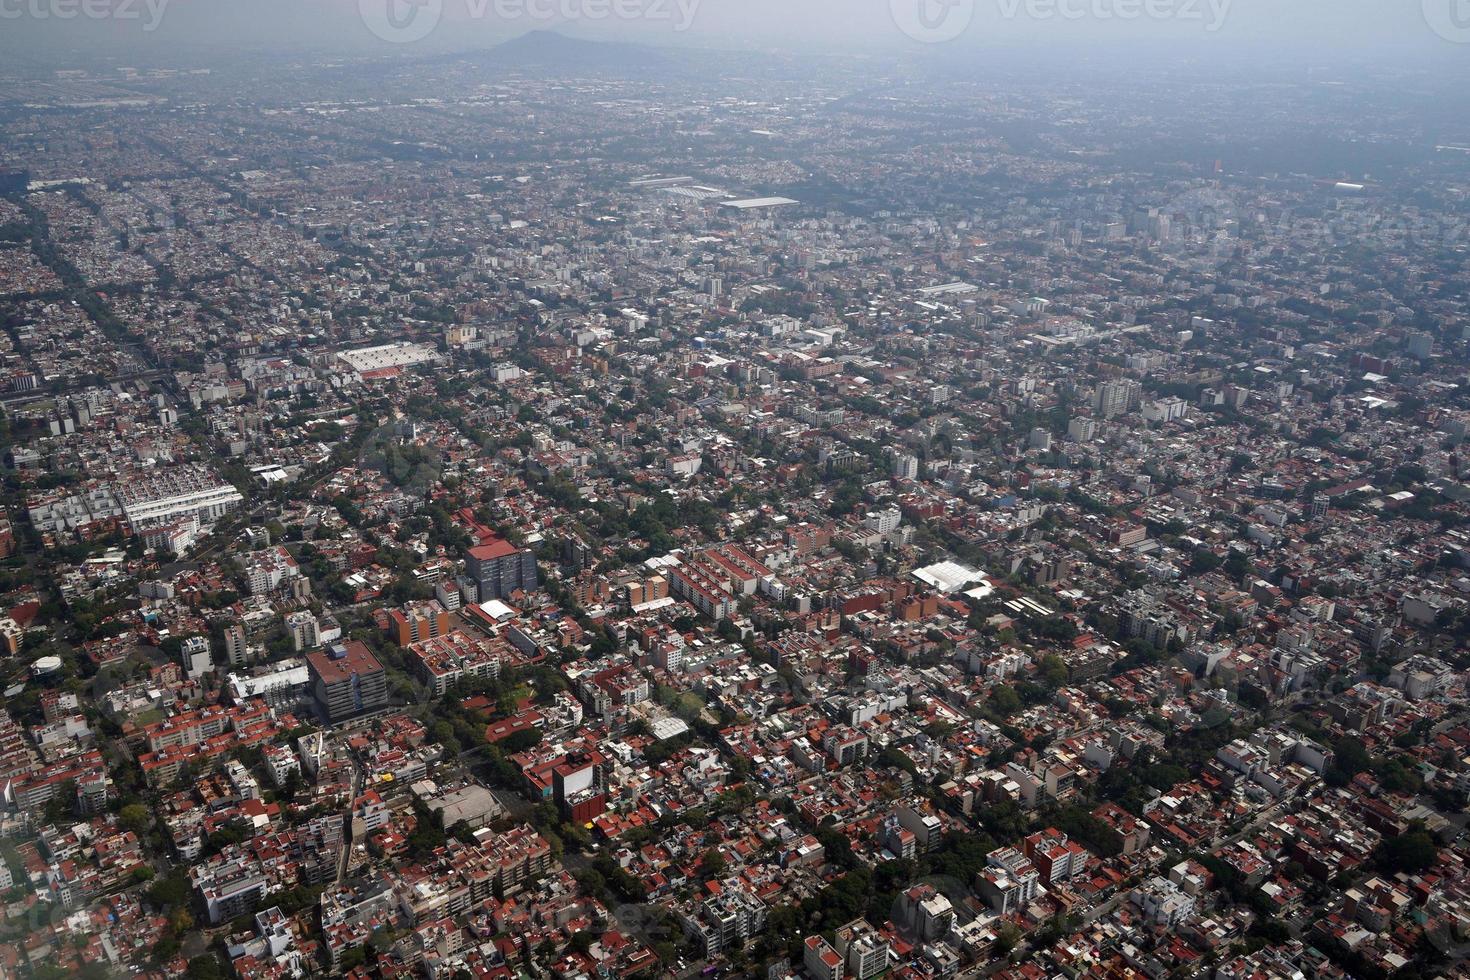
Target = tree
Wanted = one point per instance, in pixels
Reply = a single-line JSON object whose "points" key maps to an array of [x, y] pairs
{"points": [[1271, 929], [166, 948], [352, 959], [443, 733], [180, 920], [1414, 850], [134, 817], [171, 891], [62, 803], [1204, 560], [1054, 670], [1350, 757], [1005, 701], [712, 863], [205, 967]]}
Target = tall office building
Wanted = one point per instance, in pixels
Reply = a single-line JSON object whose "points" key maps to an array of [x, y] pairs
{"points": [[500, 568], [347, 680]]}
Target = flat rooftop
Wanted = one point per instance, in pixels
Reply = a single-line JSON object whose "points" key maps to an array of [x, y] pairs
{"points": [[341, 662], [754, 203]]}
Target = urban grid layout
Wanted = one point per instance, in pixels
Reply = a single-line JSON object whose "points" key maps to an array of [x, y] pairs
{"points": [[586, 510]]}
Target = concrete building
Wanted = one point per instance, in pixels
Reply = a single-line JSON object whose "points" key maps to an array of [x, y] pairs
{"points": [[282, 688], [1054, 856], [1162, 901], [1009, 882], [924, 913], [174, 494], [347, 680], [304, 629], [1115, 398], [229, 890], [269, 569], [443, 661], [864, 952], [702, 591], [237, 650], [726, 921], [195, 656], [370, 361], [884, 521], [822, 962], [1082, 430], [500, 568], [474, 806], [928, 829], [1165, 410], [418, 621]]}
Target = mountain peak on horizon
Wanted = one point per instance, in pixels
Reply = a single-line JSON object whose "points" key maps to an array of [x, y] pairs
{"points": [[549, 47]]}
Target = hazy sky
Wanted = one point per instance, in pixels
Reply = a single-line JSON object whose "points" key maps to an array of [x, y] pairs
{"points": [[1391, 26]]}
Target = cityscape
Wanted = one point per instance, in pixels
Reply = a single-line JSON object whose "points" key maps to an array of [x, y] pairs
{"points": [[586, 509]]}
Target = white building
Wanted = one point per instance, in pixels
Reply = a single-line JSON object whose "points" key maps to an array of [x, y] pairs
{"points": [[280, 763], [1009, 882], [884, 521], [1114, 398], [195, 655], [283, 686], [164, 497], [304, 630], [1421, 676], [1165, 410], [268, 570], [175, 494], [1162, 901], [387, 357]]}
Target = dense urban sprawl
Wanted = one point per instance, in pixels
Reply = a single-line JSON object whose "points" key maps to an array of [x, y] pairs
{"points": [[479, 519]]}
